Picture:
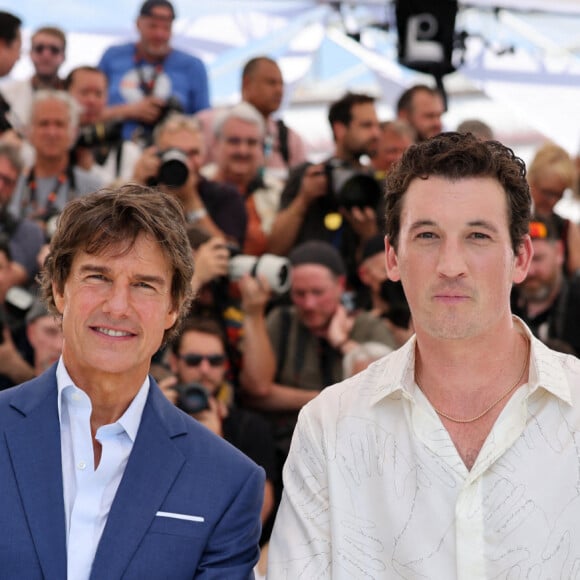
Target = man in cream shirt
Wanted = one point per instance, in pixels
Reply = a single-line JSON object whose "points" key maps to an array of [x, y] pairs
{"points": [[456, 456]]}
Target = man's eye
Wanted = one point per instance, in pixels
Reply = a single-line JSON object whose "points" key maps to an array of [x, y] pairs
{"points": [[144, 285], [479, 236], [426, 235]]}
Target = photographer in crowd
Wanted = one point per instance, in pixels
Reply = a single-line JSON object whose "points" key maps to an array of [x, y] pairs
{"points": [[173, 164], [239, 134], [53, 180], [198, 386], [262, 87], [312, 205], [547, 300], [13, 366], [47, 54], [99, 142], [148, 79], [25, 237], [307, 340]]}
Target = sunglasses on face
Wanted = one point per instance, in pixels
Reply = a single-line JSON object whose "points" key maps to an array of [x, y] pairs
{"points": [[40, 48], [194, 359]]}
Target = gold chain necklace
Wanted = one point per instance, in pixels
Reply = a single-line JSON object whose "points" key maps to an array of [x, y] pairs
{"points": [[490, 407]]}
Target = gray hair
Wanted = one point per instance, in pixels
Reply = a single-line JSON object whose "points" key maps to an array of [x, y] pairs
{"points": [[11, 153], [62, 96], [400, 127], [177, 122], [242, 111], [479, 128], [366, 351]]}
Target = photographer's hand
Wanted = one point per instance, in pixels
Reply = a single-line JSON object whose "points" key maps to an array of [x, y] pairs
{"points": [[212, 418], [84, 158], [314, 184], [255, 294], [339, 330], [167, 386], [211, 261], [363, 221], [147, 165]]}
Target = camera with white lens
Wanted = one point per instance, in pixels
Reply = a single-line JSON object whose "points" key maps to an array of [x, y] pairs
{"points": [[276, 270]]}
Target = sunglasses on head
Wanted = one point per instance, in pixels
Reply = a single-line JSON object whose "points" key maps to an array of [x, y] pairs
{"points": [[40, 48], [194, 359]]}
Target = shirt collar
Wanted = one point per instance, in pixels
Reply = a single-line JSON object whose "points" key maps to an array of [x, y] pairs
{"points": [[129, 420], [546, 371]]}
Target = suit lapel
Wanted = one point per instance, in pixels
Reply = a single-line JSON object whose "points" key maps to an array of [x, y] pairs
{"points": [[153, 465], [34, 446]]}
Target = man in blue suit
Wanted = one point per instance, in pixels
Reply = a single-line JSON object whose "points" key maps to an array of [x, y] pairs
{"points": [[101, 477]]}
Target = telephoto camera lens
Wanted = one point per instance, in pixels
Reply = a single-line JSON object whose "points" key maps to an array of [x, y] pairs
{"points": [[173, 171]]}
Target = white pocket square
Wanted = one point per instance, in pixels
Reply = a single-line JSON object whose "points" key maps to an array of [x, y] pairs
{"points": [[180, 516]]}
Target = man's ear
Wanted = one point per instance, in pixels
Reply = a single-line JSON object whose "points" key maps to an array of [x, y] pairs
{"points": [[392, 261], [58, 298], [523, 259]]}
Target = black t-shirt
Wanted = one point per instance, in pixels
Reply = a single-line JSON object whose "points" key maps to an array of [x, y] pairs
{"points": [[226, 207]]}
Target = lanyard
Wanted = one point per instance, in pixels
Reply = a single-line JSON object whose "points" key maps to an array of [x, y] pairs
{"points": [[147, 86], [65, 177]]}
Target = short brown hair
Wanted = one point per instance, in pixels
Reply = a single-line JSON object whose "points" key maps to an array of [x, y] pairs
{"points": [[202, 324], [114, 218], [457, 156], [52, 31]]}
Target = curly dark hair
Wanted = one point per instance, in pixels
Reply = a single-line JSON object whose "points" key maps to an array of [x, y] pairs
{"points": [[113, 219], [457, 156]]}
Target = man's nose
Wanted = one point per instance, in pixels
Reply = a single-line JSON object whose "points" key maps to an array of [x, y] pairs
{"points": [[451, 262], [118, 299]]}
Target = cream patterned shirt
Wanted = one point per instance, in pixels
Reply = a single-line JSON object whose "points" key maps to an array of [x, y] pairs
{"points": [[375, 489]]}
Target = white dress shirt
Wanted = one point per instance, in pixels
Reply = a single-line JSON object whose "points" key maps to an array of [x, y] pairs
{"points": [[89, 492], [374, 487]]}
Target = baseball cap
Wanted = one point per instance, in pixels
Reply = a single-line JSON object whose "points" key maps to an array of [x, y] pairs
{"points": [[318, 252], [374, 245], [149, 5]]}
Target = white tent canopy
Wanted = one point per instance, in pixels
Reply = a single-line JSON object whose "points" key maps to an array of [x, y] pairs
{"points": [[521, 69]]}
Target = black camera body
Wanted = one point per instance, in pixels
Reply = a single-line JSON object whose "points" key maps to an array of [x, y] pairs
{"points": [[100, 134], [351, 186], [192, 398], [171, 105], [174, 169]]}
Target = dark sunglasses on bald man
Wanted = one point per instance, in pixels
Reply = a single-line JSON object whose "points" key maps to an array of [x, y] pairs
{"points": [[40, 48], [193, 359]]}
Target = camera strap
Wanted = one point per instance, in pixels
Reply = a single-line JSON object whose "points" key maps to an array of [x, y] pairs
{"points": [[147, 85], [67, 176]]}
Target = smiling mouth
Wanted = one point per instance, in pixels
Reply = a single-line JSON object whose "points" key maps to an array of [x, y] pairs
{"points": [[113, 333]]}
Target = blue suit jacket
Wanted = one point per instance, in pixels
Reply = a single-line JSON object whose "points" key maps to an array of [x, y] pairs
{"points": [[176, 466]]}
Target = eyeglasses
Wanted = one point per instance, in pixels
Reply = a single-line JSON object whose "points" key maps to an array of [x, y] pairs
{"points": [[40, 48], [237, 141], [193, 359], [7, 180]]}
